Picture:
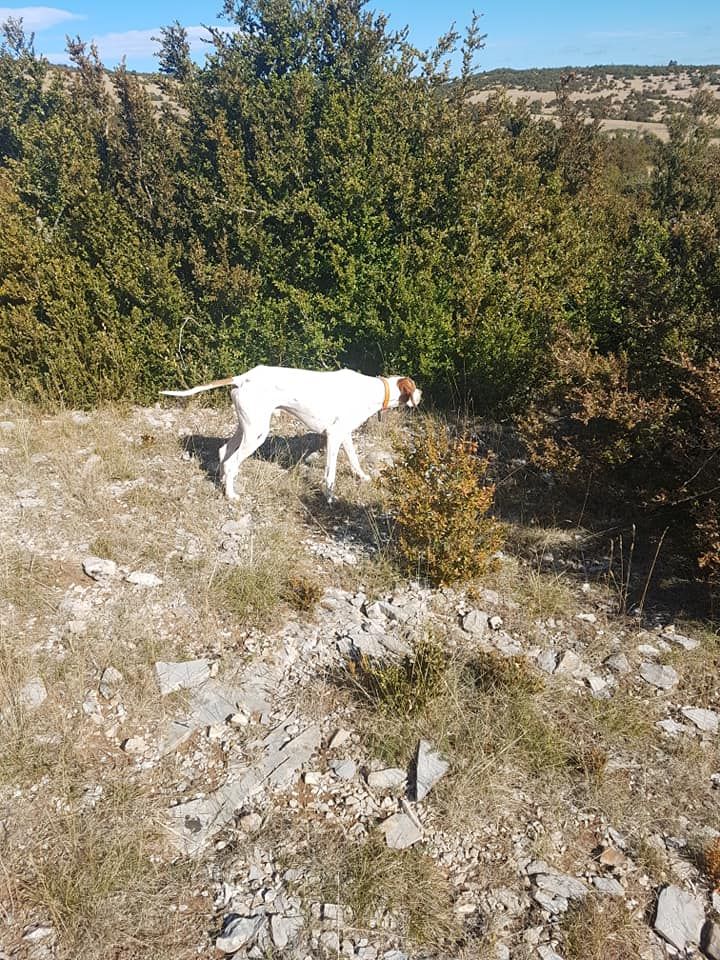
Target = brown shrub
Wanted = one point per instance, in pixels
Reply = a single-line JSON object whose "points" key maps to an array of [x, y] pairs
{"points": [[441, 502]]}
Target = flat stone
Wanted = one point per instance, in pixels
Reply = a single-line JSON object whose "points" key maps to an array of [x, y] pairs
{"points": [[547, 661], [672, 728], [546, 952], [561, 885], [344, 769], [706, 720], [32, 694], [142, 579], [99, 569], [388, 780], [495, 622], [571, 663], [618, 663], [329, 942], [430, 767], [339, 738], [110, 680], [596, 683], [609, 886], [35, 933], [236, 528], [135, 746], [181, 675], [679, 917], [475, 622], [710, 940], [400, 831], [238, 932], [680, 640], [283, 930], [586, 617], [553, 904], [664, 678]]}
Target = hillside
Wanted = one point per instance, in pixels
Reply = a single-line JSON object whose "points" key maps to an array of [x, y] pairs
{"points": [[629, 98], [239, 730]]}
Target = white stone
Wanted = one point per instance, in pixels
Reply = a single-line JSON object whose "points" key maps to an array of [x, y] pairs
{"points": [[609, 886], [430, 767], [571, 663], [33, 694], [239, 932], [135, 746], [400, 831], [99, 569], [390, 779], [178, 676], [706, 720], [679, 917], [586, 617], [344, 769], [475, 622], [141, 579], [664, 678], [110, 680], [283, 930], [618, 663]]}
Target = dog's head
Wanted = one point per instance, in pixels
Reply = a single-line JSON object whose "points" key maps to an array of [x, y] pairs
{"points": [[409, 393]]}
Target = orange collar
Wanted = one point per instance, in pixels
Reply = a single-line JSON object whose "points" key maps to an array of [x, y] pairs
{"points": [[386, 398]]}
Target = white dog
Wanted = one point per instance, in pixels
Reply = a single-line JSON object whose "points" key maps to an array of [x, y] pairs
{"points": [[333, 403]]}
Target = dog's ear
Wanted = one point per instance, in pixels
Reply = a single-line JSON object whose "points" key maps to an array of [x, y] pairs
{"points": [[407, 388]]}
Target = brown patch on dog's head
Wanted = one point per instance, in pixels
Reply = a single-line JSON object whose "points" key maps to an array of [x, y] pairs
{"points": [[407, 389]]}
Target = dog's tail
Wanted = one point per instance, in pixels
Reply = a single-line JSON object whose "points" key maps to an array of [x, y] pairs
{"points": [[205, 386]]}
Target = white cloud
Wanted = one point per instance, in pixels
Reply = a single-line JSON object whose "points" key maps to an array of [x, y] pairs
{"points": [[38, 18], [136, 45]]}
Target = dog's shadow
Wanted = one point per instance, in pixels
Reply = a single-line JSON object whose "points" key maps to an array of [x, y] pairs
{"points": [[284, 451]]}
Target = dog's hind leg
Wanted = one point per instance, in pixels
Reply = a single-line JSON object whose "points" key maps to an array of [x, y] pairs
{"points": [[252, 435]]}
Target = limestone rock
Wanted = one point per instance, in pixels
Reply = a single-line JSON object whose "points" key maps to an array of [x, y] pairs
{"points": [[664, 678], [430, 767], [679, 918]]}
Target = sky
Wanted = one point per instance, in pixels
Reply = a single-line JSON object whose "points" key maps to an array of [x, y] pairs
{"points": [[520, 33]]}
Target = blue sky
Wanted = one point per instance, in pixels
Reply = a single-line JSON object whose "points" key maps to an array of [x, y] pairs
{"points": [[521, 33]]}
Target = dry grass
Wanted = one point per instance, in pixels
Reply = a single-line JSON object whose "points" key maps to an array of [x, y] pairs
{"points": [[371, 879], [602, 930], [84, 849]]}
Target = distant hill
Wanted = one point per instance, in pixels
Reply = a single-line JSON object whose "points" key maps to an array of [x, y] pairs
{"points": [[622, 97]]}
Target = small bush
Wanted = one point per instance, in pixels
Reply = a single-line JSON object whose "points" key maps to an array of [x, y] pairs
{"points": [[301, 593], [402, 689], [440, 502], [711, 861], [491, 672]]}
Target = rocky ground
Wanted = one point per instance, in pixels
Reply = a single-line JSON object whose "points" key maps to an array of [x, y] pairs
{"points": [[235, 730]]}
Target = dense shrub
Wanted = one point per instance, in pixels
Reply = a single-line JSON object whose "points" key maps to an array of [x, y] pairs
{"points": [[440, 501]]}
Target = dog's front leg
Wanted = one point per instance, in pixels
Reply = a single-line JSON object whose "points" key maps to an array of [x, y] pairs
{"points": [[353, 458], [331, 455]]}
